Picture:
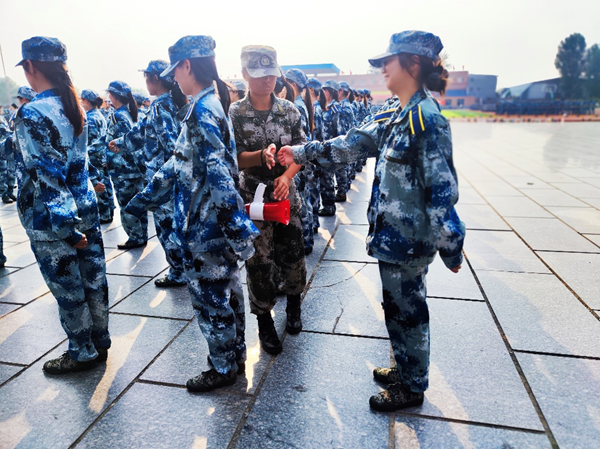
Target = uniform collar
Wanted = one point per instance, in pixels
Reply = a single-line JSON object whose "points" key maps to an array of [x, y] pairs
{"points": [[46, 94], [204, 93], [417, 97], [276, 109]]}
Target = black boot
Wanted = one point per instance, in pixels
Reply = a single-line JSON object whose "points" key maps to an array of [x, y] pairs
{"points": [[294, 321], [268, 335]]}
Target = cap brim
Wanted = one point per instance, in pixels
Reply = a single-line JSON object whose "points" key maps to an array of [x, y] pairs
{"points": [[170, 69], [377, 61], [259, 73], [21, 62]]}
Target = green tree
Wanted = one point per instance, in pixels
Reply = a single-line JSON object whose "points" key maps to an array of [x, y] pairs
{"points": [[592, 71], [570, 62], [8, 90]]}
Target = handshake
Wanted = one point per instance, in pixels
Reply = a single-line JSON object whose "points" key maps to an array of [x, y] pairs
{"points": [[270, 156]]}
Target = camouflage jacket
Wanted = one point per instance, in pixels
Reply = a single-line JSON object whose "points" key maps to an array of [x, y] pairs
{"points": [[156, 136], [96, 144], [122, 164], [299, 103], [346, 120], [415, 186], [56, 200], [202, 177], [331, 121], [318, 118]]}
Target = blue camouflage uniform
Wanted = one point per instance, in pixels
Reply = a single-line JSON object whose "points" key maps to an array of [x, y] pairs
{"points": [[3, 186], [57, 205], [411, 216], [210, 224], [155, 139], [125, 169], [346, 121], [314, 188]]}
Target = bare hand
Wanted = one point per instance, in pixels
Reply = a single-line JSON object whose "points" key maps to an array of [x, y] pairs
{"points": [[81, 243], [285, 155], [281, 187], [99, 187], [455, 269], [112, 146], [268, 156]]}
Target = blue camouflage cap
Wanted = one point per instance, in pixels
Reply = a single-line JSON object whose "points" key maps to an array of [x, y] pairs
{"points": [[314, 83], [40, 48], [189, 47], [140, 98], [238, 85], [343, 85], [119, 87], [367, 91], [331, 84], [260, 60], [416, 42], [298, 77], [88, 94], [26, 92], [157, 67]]}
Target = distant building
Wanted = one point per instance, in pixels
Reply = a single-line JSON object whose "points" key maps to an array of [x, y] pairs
{"points": [[465, 90], [538, 90]]}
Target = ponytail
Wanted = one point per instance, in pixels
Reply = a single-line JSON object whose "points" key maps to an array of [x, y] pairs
{"points": [[290, 94], [433, 74], [132, 106], [323, 100], [205, 72], [351, 96], [309, 107], [57, 75], [97, 102]]}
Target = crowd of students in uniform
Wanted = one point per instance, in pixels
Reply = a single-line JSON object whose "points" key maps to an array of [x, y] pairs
{"points": [[202, 150]]}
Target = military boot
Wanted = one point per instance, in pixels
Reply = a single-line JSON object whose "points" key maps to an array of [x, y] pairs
{"points": [[386, 375], [294, 321], [396, 397], [268, 335], [65, 364], [210, 380]]}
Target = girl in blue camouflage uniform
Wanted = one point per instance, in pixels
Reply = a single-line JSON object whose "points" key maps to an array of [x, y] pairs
{"points": [[125, 168], [155, 139], [97, 128], [210, 223], [57, 205], [411, 212]]}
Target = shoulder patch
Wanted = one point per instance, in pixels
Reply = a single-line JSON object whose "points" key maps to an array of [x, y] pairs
{"points": [[415, 120], [335, 108], [189, 112], [384, 115]]}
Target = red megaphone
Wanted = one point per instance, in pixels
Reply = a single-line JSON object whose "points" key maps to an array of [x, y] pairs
{"points": [[279, 211]]}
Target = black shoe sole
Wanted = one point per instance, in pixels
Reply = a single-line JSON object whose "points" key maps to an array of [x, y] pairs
{"points": [[136, 245], [168, 283], [393, 407], [202, 389]]}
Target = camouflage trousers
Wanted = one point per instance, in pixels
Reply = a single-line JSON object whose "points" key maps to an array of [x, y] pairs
{"points": [[106, 202], [341, 181], [407, 321], [11, 171], [218, 301], [126, 189], [2, 256], [163, 221], [306, 210], [314, 195], [327, 189], [77, 279]]}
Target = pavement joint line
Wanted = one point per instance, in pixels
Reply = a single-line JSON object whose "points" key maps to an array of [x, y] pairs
{"points": [[364, 264], [131, 275], [339, 334], [21, 365], [456, 299], [152, 316], [126, 389], [515, 361], [565, 252], [514, 272], [556, 354], [398, 413]]}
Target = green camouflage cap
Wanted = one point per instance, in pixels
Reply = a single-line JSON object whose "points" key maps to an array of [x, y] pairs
{"points": [[260, 60]]}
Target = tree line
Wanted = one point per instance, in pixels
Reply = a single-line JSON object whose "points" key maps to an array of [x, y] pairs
{"points": [[579, 68]]}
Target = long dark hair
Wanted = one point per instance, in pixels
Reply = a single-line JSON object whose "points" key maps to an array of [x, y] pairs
{"points": [[205, 72], [307, 103], [131, 104], [323, 100], [179, 98], [57, 74], [433, 74]]}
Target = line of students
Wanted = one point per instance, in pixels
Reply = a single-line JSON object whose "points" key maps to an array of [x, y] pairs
{"points": [[192, 178]]}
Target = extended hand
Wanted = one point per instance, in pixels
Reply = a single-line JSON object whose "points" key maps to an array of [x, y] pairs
{"points": [[455, 269], [112, 146], [268, 156], [281, 187], [81, 243], [99, 187], [285, 155]]}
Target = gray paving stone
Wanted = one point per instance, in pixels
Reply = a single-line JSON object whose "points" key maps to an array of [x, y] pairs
{"points": [[6, 372], [5, 271], [53, 411], [346, 299], [594, 238], [113, 235], [594, 202], [349, 244], [120, 286], [8, 219], [583, 220], [353, 212], [316, 395], [495, 188], [480, 216], [527, 182], [150, 300], [7, 308], [551, 234], [14, 234], [593, 180], [411, 432], [579, 271], [508, 206], [472, 376], [147, 261], [538, 313], [22, 286], [153, 417], [19, 255], [501, 251], [567, 390], [578, 189], [443, 283], [553, 197], [468, 195]]}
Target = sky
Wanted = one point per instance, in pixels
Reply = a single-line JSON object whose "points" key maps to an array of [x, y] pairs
{"points": [[111, 40]]}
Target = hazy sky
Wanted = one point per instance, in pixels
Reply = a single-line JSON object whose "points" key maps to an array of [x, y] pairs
{"points": [[108, 39]]}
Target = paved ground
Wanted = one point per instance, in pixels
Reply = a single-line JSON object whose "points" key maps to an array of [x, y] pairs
{"points": [[515, 358]]}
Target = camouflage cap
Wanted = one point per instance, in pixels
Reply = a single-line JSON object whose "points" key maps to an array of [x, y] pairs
{"points": [[157, 67], [297, 76], [189, 47], [26, 92], [314, 83], [88, 94], [140, 98], [343, 85], [119, 87], [331, 84], [238, 85], [260, 60], [40, 48], [416, 42]]}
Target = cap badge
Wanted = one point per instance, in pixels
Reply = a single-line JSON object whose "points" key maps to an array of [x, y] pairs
{"points": [[265, 61]]}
